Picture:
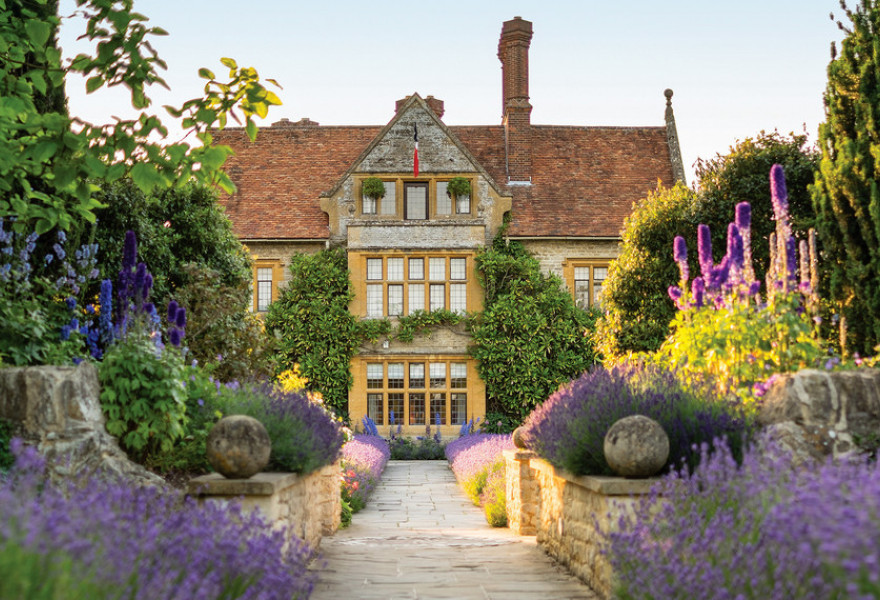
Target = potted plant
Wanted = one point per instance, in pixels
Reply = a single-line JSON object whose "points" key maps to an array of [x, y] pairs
{"points": [[460, 190], [373, 187], [458, 187]]}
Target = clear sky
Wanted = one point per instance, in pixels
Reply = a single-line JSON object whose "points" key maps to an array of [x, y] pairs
{"points": [[736, 67]]}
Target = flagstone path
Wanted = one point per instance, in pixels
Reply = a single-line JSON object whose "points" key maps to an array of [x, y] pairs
{"points": [[421, 537]]}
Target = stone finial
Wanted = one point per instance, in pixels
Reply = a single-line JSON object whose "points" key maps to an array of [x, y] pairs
{"points": [[519, 440], [672, 140], [636, 447], [238, 447]]}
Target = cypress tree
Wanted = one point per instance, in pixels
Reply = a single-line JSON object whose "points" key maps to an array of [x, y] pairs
{"points": [[846, 193]]}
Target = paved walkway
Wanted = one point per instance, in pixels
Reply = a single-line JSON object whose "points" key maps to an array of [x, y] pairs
{"points": [[421, 537]]}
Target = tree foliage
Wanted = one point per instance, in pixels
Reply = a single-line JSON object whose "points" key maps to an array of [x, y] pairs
{"points": [[174, 227], [846, 192], [49, 160], [531, 337], [638, 308]]}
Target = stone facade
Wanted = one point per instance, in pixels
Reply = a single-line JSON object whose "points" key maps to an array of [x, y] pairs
{"points": [[58, 410], [570, 515], [310, 505]]}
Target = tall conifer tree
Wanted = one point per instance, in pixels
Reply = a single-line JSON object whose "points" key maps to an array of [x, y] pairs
{"points": [[846, 194]]}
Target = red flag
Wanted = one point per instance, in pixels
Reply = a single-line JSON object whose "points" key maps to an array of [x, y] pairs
{"points": [[416, 151]]}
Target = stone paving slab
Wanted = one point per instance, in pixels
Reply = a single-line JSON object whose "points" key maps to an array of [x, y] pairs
{"points": [[420, 537]]}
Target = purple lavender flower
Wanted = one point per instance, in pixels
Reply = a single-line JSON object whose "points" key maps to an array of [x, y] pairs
{"points": [[569, 428], [704, 250], [183, 549], [471, 454]]}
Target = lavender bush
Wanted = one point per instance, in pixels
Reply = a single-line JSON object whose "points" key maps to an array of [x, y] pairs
{"points": [[569, 428], [478, 465], [363, 460], [763, 531], [305, 436], [137, 543]]}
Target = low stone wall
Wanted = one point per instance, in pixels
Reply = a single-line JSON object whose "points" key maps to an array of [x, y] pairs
{"points": [[570, 515], [310, 505], [58, 410]]}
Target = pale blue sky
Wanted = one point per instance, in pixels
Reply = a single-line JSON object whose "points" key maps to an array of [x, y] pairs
{"points": [[736, 67]]}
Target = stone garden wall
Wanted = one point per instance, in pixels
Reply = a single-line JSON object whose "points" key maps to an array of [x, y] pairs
{"points": [[570, 515], [58, 410], [310, 505]]}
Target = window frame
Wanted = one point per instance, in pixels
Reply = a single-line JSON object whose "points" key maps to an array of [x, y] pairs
{"points": [[570, 268], [413, 185]]}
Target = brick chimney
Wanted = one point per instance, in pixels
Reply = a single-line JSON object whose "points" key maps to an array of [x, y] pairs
{"points": [[513, 52]]}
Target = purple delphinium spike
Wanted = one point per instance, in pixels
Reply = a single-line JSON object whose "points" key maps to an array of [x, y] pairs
{"points": [[680, 254], [735, 247], [129, 250], [791, 259], [174, 337], [172, 311], [744, 215], [698, 288], [778, 192], [140, 276], [704, 250], [180, 319]]}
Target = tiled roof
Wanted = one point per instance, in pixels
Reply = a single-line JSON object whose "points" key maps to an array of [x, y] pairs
{"points": [[281, 175], [584, 179]]}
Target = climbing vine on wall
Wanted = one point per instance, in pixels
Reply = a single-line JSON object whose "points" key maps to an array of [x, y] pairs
{"points": [[530, 338], [313, 324]]}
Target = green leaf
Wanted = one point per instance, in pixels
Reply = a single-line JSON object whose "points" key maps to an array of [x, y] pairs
{"points": [[228, 62], [206, 73], [146, 177], [93, 83], [38, 32], [251, 129]]}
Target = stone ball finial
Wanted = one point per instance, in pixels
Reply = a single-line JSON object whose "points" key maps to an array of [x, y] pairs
{"points": [[668, 93], [238, 447], [519, 440], [636, 447]]}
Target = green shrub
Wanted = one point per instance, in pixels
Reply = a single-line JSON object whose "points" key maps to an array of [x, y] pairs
{"points": [[422, 448], [188, 455], [474, 486], [143, 395]]}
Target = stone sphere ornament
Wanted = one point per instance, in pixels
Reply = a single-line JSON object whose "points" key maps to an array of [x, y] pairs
{"points": [[636, 447], [238, 447], [519, 440]]}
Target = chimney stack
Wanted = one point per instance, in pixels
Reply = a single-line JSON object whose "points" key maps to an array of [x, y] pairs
{"points": [[513, 52]]}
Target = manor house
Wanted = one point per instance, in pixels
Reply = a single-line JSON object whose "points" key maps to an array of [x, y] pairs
{"points": [[566, 190]]}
